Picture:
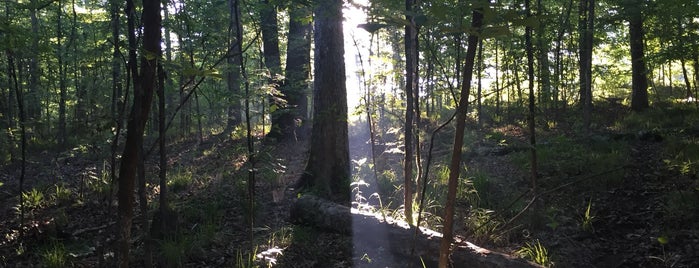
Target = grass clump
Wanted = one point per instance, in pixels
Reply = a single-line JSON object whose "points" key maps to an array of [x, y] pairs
{"points": [[175, 250], [54, 257], [587, 218], [33, 199], [564, 157], [537, 253], [61, 193], [179, 180], [248, 260], [484, 225]]}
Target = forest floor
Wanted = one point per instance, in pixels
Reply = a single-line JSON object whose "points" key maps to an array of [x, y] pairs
{"points": [[635, 211]]}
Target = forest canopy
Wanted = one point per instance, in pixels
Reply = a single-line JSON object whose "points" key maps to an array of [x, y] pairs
{"points": [[142, 132]]}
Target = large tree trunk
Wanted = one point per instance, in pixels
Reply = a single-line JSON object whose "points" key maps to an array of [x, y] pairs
{"points": [[61, 78], [270, 44], [371, 228], [543, 56], [535, 221], [234, 61], [558, 76], [586, 30], [696, 73], [33, 103], [116, 61], [328, 169], [144, 85], [455, 165], [298, 67], [411, 77], [639, 80]]}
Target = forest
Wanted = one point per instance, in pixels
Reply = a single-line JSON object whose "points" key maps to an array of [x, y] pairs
{"points": [[349, 133]]}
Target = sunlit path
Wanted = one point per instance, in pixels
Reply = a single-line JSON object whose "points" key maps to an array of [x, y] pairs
{"points": [[371, 246]]}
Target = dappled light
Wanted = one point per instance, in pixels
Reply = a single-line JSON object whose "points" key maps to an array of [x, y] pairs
{"points": [[362, 133]]}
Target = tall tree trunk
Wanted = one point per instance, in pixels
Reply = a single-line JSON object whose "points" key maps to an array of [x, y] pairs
{"points": [[411, 76], [61, 77], [33, 103], [234, 61], [270, 44], [12, 72], [497, 80], [639, 80], [543, 57], [298, 67], [328, 169], [687, 80], [696, 73], [535, 221], [144, 85], [558, 76], [681, 41], [455, 165], [117, 86], [479, 94], [586, 30]]}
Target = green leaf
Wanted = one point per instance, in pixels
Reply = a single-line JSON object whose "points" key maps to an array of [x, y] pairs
{"points": [[663, 240], [273, 108]]}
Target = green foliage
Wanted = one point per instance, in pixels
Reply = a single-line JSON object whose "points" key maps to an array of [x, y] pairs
{"points": [[387, 182], [246, 260], [476, 189], [179, 180], [356, 187], [281, 238], [176, 249], [554, 218], [537, 253], [587, 218], [33, 199], [484, 225], [61, 193], [55, 256], [681, 208], [100, 184], [683, 156], [430, 211], [561, 156], [666, 116]]}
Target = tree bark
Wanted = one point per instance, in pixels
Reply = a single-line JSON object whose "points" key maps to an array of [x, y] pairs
{"points": [[639, 80], [455, 165], [234, 60], [558, 76], [144, 85], [479, 93], [33, 104], [298, 67], [411, 82], [535, 221], [543, 57], [586, 30], [328, 169], [61, 78], [270, 43], [117, 85], [696, 72]]}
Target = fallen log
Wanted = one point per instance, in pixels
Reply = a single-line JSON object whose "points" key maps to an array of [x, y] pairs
{"points": [[371, 232]]}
